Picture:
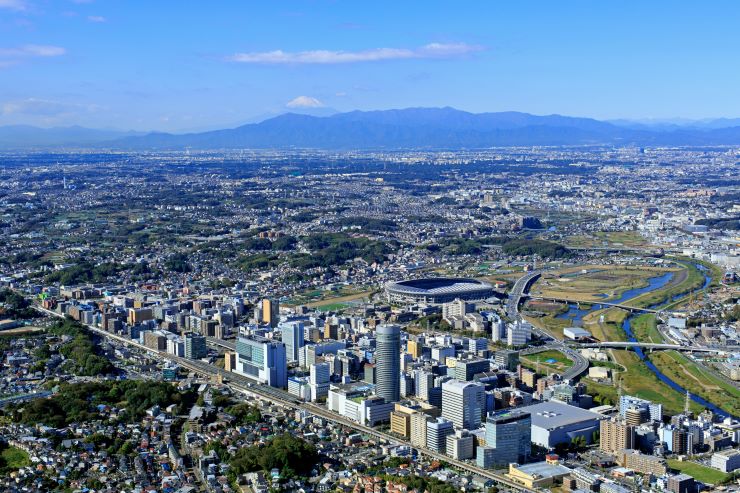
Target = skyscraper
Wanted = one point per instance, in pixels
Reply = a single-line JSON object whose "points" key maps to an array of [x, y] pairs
{"points": [[463, 403], [293, 338], [195, 346], [270, 312], [437, 432], [508, 439], [387, 362]]}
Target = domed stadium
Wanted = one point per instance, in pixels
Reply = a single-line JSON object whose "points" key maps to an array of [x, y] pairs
{"points": [[437, 290]]}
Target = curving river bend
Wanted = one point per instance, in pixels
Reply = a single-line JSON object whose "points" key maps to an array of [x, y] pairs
{"points": [[576, 314]]}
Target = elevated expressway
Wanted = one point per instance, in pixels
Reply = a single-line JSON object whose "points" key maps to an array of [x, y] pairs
{"points": [[517, 293]]}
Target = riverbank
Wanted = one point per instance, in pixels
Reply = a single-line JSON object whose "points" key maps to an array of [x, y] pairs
{"points": [[681, 369]]}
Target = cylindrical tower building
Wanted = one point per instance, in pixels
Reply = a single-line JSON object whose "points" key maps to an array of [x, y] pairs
{"points": [[388, 362]]}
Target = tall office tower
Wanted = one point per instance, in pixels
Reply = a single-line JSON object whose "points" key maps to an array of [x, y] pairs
{"points": [[518, 333], [319, 373], [387, 362], [293, 338], [616, 435], [477, 344], [424, 382], [195, 346], [461, 445], [506, 359], [407, 385], [263, 360], [465, 370], [463, 403], [319, 381], [508, 439], [437, 432], [270, 312], [498, 328]]}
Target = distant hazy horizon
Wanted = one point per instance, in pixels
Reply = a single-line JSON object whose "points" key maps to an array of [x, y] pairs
{"points": [[174, 67]]}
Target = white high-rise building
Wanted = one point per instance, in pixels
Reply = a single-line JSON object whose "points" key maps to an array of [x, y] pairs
{"points": [[293, 338], [461, 445], [437, 432], [463, 403], [457, 308], [424, 381], [318, 380], [518, 333], [498, 328]]}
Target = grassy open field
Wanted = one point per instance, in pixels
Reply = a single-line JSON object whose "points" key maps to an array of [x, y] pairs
{"points": [[19, 331], [550, 324], [331, 306], [544, 315], [645, 328], [561, 363], [700, 473], [317, 298], [630, 239], [686, 280], [637, 379], [611, 328], [696, 380], [594, 282]]}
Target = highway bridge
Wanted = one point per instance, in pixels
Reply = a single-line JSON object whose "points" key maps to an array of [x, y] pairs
{"points": [[519, 290], [644, 345], [596, 304], [245, 385]]}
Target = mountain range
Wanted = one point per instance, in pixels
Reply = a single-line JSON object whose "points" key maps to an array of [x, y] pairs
{"points": [[430, 128]]}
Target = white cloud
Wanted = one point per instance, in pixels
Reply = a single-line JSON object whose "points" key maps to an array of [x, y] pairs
{"points": [[304, 102], [32, 51], [96, 18], [16, 5], [10, 57], [432, 50]]}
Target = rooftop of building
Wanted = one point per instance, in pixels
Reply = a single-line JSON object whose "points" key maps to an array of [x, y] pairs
{"points": [[552, 414], [542, 469]]}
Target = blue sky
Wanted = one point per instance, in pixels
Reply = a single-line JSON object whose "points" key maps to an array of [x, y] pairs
{"points": [[180, 65]]}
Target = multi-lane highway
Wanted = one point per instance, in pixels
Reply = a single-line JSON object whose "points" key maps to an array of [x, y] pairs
{"points": [[521, 286], [250, 387], [518, 291]]}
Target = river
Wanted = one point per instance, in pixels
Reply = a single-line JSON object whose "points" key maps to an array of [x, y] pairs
{"points": [[576, 314]]}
